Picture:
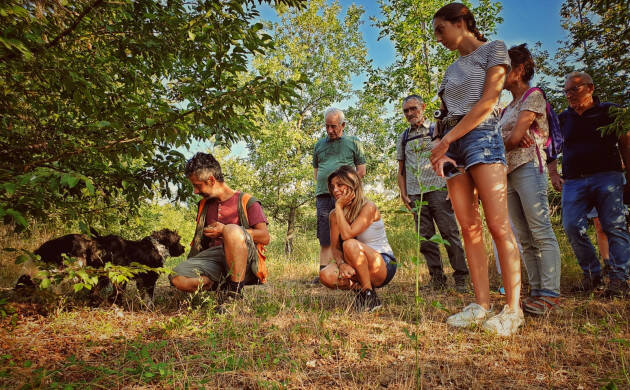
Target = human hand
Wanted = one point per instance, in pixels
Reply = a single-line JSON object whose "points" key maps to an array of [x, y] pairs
{"points": [[346, 271], [345, 198], [526, 141], [214, 230], [556, 181], [438, 166], [439, 150], [406, 201]]}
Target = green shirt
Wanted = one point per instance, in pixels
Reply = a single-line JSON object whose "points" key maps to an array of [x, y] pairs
{"points": [[329, 155]]}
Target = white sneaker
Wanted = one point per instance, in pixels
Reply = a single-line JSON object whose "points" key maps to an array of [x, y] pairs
{"points": [[505, 323], [471, 314]]}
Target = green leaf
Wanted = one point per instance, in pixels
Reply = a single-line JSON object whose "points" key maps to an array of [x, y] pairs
{"points": [[89, 185], [45, 283], [22, 259], [69, 180], [17, 217]]}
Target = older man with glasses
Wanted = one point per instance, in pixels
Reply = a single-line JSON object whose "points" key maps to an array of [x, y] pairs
{"points": [[593, 177], [415, 169]]}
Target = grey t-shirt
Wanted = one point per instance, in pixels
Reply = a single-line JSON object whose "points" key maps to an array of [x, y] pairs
{"points": [[462, 85], [417, 164]]}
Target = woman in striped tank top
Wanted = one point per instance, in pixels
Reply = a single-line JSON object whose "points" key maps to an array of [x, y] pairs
{"points": [[470, 140], [363, 258]]}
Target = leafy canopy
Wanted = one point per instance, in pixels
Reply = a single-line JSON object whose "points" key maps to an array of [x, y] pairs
{"points": [[97, 97]]}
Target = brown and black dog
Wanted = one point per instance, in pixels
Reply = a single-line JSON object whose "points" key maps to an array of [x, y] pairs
{"points": [[99, 250]]}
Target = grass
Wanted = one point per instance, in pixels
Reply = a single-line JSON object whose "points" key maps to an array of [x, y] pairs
{"points": [[287, 334]]}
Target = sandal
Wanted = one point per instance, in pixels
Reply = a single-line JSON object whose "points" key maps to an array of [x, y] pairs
{"points": [[541, 305]]}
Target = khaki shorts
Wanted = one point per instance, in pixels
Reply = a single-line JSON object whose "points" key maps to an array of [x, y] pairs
{"points": [[211, 263]]}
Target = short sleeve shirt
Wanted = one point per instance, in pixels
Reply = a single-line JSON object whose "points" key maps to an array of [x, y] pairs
{"points": [[417, 163], [329, 155], [539, 131], [462, 85], [226, 212]]}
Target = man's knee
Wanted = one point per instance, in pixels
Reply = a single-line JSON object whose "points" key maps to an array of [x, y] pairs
{"points": [[233, 234]]}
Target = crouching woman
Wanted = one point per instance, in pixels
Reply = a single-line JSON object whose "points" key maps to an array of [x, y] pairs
{"points": [[363, 258]]}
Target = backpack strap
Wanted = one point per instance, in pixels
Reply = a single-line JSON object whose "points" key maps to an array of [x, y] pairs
{"points": [[259, 267], [195, 244]]}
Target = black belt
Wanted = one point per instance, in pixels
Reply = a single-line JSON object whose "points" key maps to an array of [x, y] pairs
{"points": [[452, 121]]}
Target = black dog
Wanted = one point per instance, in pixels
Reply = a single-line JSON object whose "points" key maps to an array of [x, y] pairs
{"points": [[96, 252]]}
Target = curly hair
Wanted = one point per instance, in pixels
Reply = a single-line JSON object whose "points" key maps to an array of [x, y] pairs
{"points": [[203, 165], [454, 12], [520, 55]]}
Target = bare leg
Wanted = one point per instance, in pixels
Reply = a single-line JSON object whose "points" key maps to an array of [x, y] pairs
{"points": [[183, 283], [325, 254], [461, 190], [369, 265], [235, 252], [491, 182]]}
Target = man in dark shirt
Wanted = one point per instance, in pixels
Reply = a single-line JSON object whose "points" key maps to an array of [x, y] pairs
{"points": [[223, 250], [593, 177]]}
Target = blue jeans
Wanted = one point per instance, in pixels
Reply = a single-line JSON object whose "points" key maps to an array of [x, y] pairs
{"points": [[604, 191], [481, 145], [529, 211]]}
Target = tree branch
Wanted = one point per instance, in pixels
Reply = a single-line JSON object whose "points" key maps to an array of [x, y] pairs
{"points": [[64, 33]]}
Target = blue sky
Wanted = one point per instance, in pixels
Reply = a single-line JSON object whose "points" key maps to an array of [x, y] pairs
{"points": [[523, 21], [526, 21]]}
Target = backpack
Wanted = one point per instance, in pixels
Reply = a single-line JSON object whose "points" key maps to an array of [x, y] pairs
{"points": [[555, 140], [259, 268], [406, 139]]}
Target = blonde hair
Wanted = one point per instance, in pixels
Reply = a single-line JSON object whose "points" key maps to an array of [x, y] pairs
{"points": [[348, 176]]}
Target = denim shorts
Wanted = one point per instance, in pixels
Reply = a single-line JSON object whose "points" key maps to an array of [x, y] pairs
{"points": [[324, 204], [392, 266], [481, 145]]}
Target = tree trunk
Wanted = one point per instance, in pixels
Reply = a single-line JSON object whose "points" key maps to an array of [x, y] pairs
{"points": [[288, 242]]}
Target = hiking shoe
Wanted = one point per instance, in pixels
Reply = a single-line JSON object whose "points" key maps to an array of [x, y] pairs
{"points": [[588, 283], [471, 314], [438, 283], [505, 323], [461, 286], [617, 288], [366, 300]]}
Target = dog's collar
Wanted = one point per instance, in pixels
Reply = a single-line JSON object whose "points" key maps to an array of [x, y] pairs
{"points": [[162, 249]]}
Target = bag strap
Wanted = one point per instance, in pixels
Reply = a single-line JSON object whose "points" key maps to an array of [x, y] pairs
{"points": [[195, 245]]}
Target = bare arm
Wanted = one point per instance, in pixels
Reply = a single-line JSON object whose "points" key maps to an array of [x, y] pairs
{"points": [[495, 77], [334, 239], [402, 184], [361, 170], [259, 233], [358, 226], [315, 175], [523, 123]]}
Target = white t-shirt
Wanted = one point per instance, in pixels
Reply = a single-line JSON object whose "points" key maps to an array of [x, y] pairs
{"points": [[463, 81]]}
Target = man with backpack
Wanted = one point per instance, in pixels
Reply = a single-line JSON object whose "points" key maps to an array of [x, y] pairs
{"points": [[227, 248], [415, 170], [593, 177]]}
